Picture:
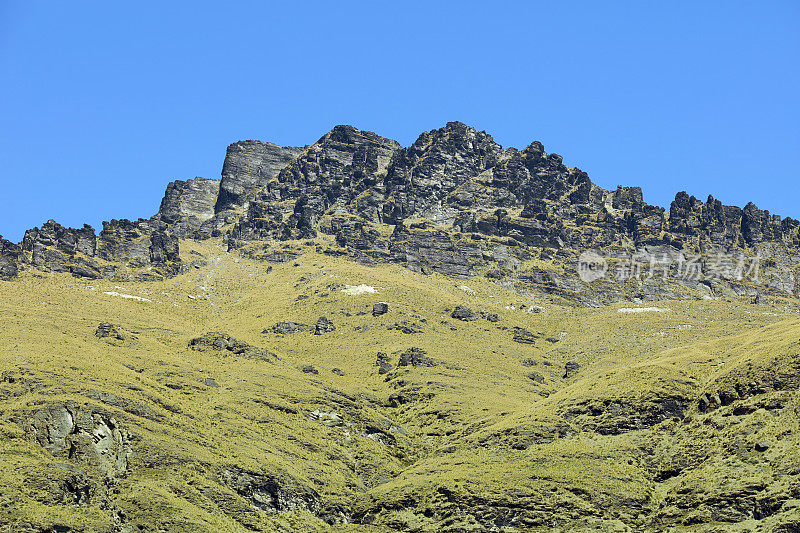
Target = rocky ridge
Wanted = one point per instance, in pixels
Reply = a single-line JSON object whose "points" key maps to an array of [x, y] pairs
{"points": [[454, 202]]}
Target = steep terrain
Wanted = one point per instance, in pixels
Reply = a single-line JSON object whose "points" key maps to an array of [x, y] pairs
{"points": [[357, 336], [454, 202]]}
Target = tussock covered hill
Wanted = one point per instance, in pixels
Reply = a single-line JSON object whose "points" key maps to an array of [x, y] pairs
{"points": [[219, 401], [357, 336]]}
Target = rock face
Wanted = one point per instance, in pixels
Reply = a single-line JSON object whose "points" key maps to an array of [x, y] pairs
{"points": [[421, 178], [187, 204], [10, 256], [54, 248], [456, 203], [269, 493], [82, 434], [331, 174], [248, 166], [138, 245], [323, 326]]}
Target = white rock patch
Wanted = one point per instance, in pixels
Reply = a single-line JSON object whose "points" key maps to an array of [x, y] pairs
{"points": [[355, 290], [642, 310], [468, 290], [128, 296]]}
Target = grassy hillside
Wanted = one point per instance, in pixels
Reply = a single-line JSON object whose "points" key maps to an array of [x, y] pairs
{"points": [[683, 416]]}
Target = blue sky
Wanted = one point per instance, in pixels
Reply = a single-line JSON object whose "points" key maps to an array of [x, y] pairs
{"points": [[103, 103]]}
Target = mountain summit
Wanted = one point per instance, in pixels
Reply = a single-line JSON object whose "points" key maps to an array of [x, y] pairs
{"points": [[454, 202]]}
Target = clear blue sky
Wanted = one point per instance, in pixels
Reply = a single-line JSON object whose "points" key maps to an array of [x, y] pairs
{"points": [[103, 103]]}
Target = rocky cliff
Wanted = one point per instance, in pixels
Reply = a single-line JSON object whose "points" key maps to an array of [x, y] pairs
{"points": [[454, 202]]}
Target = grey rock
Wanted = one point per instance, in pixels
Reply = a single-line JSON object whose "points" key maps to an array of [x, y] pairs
{"points": [[108, 330], [536, 377], [380, 308], [309, 369], [10, 259], [462, 312], [485, 210], [68, 241], [85, 268], [270, 493], [248, 166], [405, 327], [82, 433], [323, 326], [336, 513], [55, 248], [383, 363], [523, 336], [221, 342], [163, 248], [188, 204], [570, 369], [420, 177], [415, 357], [287, 328]]}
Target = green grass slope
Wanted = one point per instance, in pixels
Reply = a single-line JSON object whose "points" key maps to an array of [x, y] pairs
{"points": [[681, 417]]}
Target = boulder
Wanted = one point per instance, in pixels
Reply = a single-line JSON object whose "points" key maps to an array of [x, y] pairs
{"points": [[108, 330], [462, 312], [570, 369], [323, 326], [523, 336], [82, 434], [287, 328], [221, 342], [383, 363], [415, 357]]}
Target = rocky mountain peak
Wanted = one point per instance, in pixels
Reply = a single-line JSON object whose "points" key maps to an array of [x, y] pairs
{"points": [[459, 202]]}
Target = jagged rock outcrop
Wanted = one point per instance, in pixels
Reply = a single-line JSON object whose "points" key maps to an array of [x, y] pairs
{"points": [[10, 257], [138, 245], [331, 175], [81, 434], [248, 166], [270, 493], [420, 177], [460, 205], [220, 342], [55, 248], [187, 204]]}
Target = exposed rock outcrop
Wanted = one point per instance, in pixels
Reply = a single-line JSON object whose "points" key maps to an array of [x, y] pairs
{"points": [[82, 434], [331, 174], [248, 166], [221, 342], [270, 493], [188, 204], [10, 257], [460, 205]]}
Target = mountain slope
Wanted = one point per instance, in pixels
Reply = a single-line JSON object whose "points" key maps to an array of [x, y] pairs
{"points": [[683, 416], [359, 336]]}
